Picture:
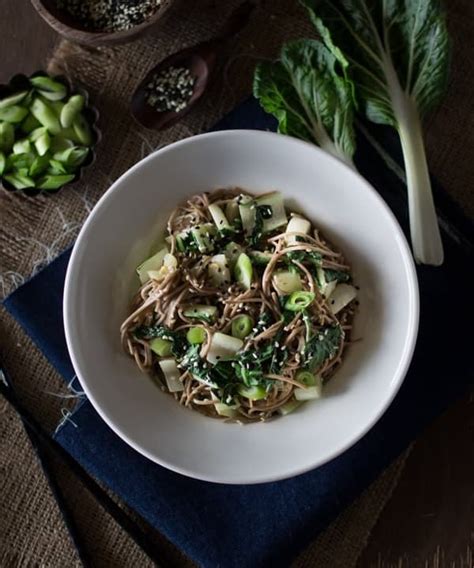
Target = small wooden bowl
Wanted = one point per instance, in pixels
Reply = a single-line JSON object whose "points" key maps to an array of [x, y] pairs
{"points": [[21, 82], [66, 26]]}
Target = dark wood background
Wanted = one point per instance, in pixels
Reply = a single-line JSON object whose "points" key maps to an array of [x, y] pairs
{"points": [[429, 520]]}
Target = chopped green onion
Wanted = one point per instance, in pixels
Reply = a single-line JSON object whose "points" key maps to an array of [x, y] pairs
{"points": [[299, 301], [162, 347], [305, 377], [196, 335], [252, 393], [242, 326]]}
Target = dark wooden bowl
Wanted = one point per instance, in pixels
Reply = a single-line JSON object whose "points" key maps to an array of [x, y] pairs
{"points": [[21, 82], [66, 26]]}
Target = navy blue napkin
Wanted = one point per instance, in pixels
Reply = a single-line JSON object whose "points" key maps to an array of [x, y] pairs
{"points": [[266, 525]]}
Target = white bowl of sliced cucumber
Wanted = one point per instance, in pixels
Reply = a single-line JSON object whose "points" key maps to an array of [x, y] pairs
{"points": [[123, 230]]}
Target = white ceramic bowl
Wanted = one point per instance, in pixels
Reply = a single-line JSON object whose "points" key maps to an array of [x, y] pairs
{"points": [[119, 233]]}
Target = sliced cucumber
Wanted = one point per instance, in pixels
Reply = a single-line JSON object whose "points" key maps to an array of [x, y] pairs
{"points": [[252, 393], [172, 374], [289, 407], [218, 270], [201, 312], [226, 410], [219, 218], [204, 236], [153, 263], [297, 225], [259, 257], [342, 296], [287, 282], [275, 202], [243, 271], [223, 347]]}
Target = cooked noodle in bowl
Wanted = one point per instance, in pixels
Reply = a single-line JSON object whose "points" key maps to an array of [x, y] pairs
{"points": [[245, 310]]}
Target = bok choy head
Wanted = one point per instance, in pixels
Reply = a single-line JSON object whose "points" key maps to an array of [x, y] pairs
{"points": [[398, 53], [309, 93]]}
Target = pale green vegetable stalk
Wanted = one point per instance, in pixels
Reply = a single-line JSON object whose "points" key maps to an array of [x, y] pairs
{"points": [[308, 91], [398, 51]]}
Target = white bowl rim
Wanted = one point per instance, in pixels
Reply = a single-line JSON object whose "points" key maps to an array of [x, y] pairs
{"points": [[398, 377]]}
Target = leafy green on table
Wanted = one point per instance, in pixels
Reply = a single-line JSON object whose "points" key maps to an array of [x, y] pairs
{"points": [[309, 92], [398, 53]]}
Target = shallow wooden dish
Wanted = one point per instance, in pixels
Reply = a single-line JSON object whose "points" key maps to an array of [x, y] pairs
{"points": [[66, 26]]}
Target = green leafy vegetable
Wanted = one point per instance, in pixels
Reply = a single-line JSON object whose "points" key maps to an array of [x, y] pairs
{"points": [[398, 52], [178, 340], [338, 275], [323, 345], [310, 94]]}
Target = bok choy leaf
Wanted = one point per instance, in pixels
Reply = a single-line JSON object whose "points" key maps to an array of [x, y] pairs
{"points": [[309, 93], [398, 52]]}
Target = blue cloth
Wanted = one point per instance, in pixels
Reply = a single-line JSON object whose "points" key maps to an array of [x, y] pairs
{"points": [[266, 525]]}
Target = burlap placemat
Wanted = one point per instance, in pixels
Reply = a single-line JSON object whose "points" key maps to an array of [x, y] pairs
{"points": [[34, 231]]}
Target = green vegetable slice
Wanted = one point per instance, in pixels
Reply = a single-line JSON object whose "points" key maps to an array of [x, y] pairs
{"points": [[299, 301], [201, 312], [3, 162], [19, 181], [22, 147], [7, 136], [54, 182], [82, 130], [196, 335], [12, 99], [243, 271], [39, 165], [252, 393], [162, 347], [13, 114], [71, 109], [49, 88], [242, 326], [43, 143], [45, 115]]}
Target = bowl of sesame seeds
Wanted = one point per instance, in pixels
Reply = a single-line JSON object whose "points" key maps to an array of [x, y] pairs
{"points": [[102, 22]]}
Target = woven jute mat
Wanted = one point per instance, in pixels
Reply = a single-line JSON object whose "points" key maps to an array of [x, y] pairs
{"points": [[34, 231]]}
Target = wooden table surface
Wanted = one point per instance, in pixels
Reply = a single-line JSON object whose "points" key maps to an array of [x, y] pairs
{"points": [[429, 520]]}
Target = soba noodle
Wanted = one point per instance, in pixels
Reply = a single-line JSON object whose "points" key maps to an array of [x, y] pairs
{"points": [[265, 375]]}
